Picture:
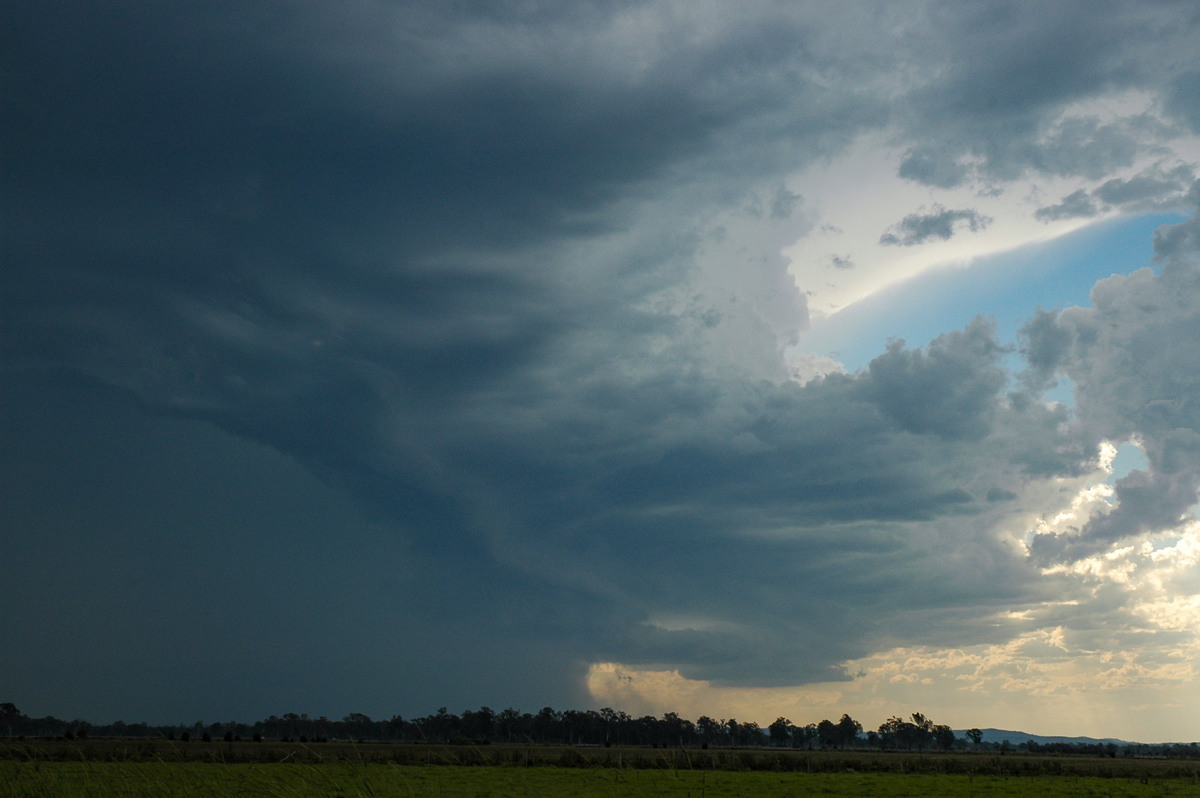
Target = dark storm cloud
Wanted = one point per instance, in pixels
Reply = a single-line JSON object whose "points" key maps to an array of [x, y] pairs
{"points": [[950, 391], [933, 169], [419, 296], [998, 113], [1152, 189], [940, 225], [437, 258], [1077, 204], [1183, 98], [1176, 241], [1153, 185], [834, 490]]}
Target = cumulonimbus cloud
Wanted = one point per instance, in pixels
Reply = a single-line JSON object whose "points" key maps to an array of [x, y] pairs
{"points": [[492, 278]]}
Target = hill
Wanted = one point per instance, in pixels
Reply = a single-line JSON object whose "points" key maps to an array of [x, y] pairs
{"points": [[1018, 737]]}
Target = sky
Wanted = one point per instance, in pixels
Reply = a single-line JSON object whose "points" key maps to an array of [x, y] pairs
{"points": [[751, 360]]}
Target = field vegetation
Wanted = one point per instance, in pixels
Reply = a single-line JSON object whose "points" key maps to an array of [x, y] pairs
{"points": [[342, 779], [135, 768], [529, 755], [565, 753]]}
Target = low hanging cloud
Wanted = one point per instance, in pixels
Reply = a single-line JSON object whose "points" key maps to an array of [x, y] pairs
{"points": [[939, 225]]}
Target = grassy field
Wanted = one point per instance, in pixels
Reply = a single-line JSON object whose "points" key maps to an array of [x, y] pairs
{"points": [[1012, 765], [133, 768], [42, 779]]}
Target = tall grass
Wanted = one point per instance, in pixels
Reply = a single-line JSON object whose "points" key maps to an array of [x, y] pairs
{"points": [[41, 779]]}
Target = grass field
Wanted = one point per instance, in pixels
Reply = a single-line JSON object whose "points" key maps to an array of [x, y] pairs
{"points": [[41, 779], [133, 768]]}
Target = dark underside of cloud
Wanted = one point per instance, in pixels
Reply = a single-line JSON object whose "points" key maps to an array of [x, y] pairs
{"points": [[363, 350], [1151, 190], [939, 225]]}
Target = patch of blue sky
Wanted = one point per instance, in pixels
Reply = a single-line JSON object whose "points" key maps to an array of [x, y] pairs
{"points": [[1129, 457], [1007, 286]]}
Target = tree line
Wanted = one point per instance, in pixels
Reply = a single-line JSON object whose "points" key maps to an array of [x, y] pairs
{"points": [[604, 727]]}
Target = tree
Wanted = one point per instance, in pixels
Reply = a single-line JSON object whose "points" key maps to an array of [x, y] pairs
{"points": [[827, 733], [751, 733], [479, 725], [896, 732], [806, 734], [924, 729], [508, 723], [357, 726], [708, 728], [675, 729], [943, 737], [847, 731], [780, 731], [975, 736], [10, 716], [545, 723]]}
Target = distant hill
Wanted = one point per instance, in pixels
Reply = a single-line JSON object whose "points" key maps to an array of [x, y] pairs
{"points": [[1018, 737]]}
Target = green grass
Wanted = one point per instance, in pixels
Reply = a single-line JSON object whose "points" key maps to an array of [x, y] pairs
{"points": [[85, 779]]}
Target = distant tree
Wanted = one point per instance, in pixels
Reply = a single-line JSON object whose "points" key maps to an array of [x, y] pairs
{"points": [[751, 733], [358, 726], [10, 716], [847, 731], [807, 734], [508, 723], [924, 729], [479, 725], [827, 733], [674, 729], [780, 731], [546, 723], [440, 726], [708, 729], [397, 729], [943, 737], [975, 736], [897, 733]]}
